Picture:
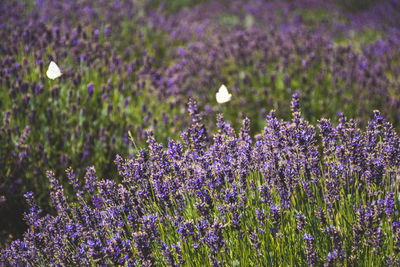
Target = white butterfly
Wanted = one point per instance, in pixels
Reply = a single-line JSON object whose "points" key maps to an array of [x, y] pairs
{"points": [[53, 71], [223, 96]]}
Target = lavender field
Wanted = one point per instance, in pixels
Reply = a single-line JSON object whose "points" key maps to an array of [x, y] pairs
{"points": [[199, 133]]}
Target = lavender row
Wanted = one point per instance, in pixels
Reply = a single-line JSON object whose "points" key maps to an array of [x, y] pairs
{"points": [[229, 199]]}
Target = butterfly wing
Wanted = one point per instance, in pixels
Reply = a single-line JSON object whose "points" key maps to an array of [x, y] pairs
{"points": [[53, 71], [223, 95], [223, 90], [219, 98]]}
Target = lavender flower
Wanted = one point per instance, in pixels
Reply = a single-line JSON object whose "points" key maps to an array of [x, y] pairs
{"points": [[310, 253]]}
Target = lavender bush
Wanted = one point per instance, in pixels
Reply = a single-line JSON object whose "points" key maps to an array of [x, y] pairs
{"points": [[231, 200]]}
